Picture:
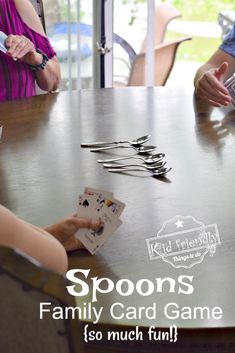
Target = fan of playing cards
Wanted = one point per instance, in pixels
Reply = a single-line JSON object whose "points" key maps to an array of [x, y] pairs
{"points": [[98, 204], [3, 37]]}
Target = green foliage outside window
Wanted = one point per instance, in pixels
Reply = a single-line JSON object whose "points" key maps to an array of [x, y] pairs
{"points": [[201, 10], [193, 10]]}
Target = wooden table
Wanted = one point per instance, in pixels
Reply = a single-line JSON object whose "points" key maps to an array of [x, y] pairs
{"points": [[43, 169]]}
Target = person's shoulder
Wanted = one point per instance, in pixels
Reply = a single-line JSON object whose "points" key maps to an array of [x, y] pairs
{"points": [[29, 15], [230, 36]]}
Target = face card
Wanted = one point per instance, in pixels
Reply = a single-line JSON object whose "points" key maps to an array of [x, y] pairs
{"points": [[3, 37], [106, 198], [114, 205], [93, 240]]}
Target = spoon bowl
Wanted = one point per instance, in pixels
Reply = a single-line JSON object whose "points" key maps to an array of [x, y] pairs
{"points": [[139, 141], [144, 149]]}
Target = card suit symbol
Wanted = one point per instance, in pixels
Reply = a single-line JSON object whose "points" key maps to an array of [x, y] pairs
{"points": [[85, 203]]}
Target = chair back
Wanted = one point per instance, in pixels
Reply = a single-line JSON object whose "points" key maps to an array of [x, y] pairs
{"points": [[38, 5], [164, 13], [23, 286], [164, 57]]}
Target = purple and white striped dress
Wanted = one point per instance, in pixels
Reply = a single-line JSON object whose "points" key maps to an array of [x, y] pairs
{"points": [[17, 80]]}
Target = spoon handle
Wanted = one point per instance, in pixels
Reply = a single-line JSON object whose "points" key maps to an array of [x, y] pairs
{"points": [[110, 160], [130, 169], [155, 173], [101, 143], [120, 166], [150, 167], [109, 148], [155, 166], [97, 144]]}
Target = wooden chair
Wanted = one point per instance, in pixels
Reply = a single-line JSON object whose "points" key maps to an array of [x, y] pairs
{"points": [[164, 57], [23, 286]]}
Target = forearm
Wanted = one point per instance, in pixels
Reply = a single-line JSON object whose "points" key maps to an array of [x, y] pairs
{"points": [[49, 78], [34, 241]]}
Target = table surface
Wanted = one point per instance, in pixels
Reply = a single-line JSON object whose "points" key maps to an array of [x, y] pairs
{"points": [[43, 169]]}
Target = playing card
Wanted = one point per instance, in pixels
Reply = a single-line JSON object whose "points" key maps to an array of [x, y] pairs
{"points": [[86, 205], [114, 205], [1, 132], [99, 193], [3, 37], [230, 85], [98, 204], [105, 197], [93, 240]]}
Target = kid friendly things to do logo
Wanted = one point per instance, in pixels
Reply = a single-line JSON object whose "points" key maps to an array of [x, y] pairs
{"points": [[184, 242]]}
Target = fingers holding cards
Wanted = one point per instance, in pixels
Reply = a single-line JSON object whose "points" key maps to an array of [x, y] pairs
{"points": [[94, 239], [98, 204]]}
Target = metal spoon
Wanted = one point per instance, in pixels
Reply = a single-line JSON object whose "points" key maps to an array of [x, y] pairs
{"points": [[136, 142], [154, 173], [153, 166], [148, 160], [140, 149]]}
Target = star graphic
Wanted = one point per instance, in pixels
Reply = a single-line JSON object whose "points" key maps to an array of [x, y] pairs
{"points": [[179, 224]]}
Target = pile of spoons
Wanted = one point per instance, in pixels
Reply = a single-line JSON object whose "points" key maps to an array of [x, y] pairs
{"points": [[153, 164]]}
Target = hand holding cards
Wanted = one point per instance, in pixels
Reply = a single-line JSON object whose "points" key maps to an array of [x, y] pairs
{"points": [[98, 204], [3, 37]]}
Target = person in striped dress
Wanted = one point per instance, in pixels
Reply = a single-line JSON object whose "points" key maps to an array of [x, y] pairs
{"points": [[30, 58]]}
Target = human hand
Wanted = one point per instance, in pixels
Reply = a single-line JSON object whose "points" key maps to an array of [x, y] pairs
{"points": [[21, 48], [65, 230], [210, 88]]}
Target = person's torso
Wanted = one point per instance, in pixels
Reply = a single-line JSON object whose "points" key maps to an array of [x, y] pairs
{"points": [[17, 80]]}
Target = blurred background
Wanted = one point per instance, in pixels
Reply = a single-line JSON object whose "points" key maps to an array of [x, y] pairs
{"points": [[205, 21]]}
